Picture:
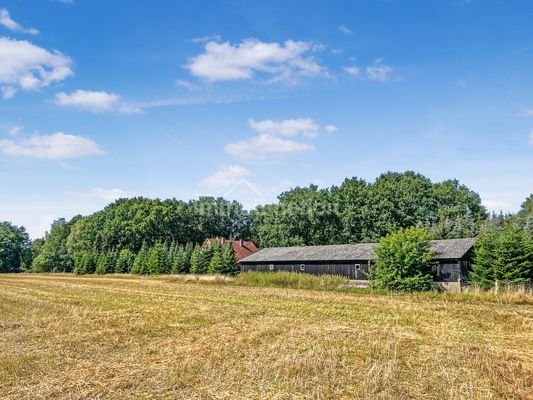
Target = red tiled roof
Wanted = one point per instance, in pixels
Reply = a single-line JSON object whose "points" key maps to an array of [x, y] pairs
{"points": [[241, 248]]}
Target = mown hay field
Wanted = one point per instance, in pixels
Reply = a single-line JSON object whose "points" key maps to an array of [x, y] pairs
{"points": [[67, 337]]}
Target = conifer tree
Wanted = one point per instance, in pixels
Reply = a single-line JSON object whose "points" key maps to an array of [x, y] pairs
{"points": [[503, 252], [124, 262], [229, 260], [186, 258], [158, 260], [112, 257], [205, 259], [216, 266], [176, 260], [196, 260], [140, 265]]}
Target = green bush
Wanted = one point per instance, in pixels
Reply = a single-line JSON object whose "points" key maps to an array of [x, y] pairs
{"points": [[403, 262]]}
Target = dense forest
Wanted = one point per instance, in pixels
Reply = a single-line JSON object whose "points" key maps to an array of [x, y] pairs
{"points": [[143, 235]]}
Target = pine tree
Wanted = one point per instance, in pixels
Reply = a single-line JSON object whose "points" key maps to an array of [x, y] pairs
{"points": [[186, 258], [172, 253], [482, 272], [229, 260], [513, 256], [216, 266], [176, 260], [196, 261], [205, 259], [140, 265], [111, 261], [503, 252], [158, 260], [124, 261]]}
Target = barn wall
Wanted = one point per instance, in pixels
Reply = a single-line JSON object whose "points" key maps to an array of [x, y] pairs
{"points": [[348, 270], [445, 270]]}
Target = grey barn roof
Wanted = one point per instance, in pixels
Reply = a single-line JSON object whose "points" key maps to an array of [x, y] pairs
{"points": [[445, 249]]}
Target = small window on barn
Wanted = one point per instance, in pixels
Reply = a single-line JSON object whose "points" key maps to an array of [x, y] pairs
{"points": [[271, 267], [357, 267], [302, 267]]}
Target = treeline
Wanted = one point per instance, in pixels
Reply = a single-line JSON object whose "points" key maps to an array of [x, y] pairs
{"points": [[141, 235], [127, 234], [358, 211], [162, 258], [15, 248], [504, 249]]}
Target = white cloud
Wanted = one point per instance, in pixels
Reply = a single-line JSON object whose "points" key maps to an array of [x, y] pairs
{"points": [[378, 71], [107, 194], [531, 137], [56, 146], [5, 20], [225, 177], [345, 30], [95, 101], [186, 84], [331, 128], [8, 92], [528, 113], [29, 67], [15, 130], [265, 145], [288, 127], [242, 61], [352, 70], [205, 39]]}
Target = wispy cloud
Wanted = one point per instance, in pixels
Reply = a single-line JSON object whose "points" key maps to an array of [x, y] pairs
{"points": [[28, 67], [186, 84], [331, 128], [345, 30], [103, 194], [531, 137], [8, 92], [353, 70], [379, 71], [261, 146], [205, 39], [225, 177], [280, 62], [95, 101], [15, 130], [288, 127], [56, 146], [9, 23]]}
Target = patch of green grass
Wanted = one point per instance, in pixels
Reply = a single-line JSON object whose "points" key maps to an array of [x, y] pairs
{"points": [[290, 280]]}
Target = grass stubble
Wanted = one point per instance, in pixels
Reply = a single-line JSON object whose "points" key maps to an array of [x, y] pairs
{"points": [[66, 337]]}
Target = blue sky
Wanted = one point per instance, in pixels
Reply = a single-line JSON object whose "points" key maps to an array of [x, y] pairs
{"points": [[246, 99]]}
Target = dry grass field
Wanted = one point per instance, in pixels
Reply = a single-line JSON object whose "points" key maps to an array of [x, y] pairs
{"points": [[66, 337]]}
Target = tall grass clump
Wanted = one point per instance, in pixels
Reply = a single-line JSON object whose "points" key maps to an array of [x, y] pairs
{"points": [[291, 280]]}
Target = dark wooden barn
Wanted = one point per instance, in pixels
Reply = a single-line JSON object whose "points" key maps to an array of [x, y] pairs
{"points": [[354, 260]]}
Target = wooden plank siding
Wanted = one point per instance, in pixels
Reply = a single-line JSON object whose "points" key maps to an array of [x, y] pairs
{"points": [[357, 270]]}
